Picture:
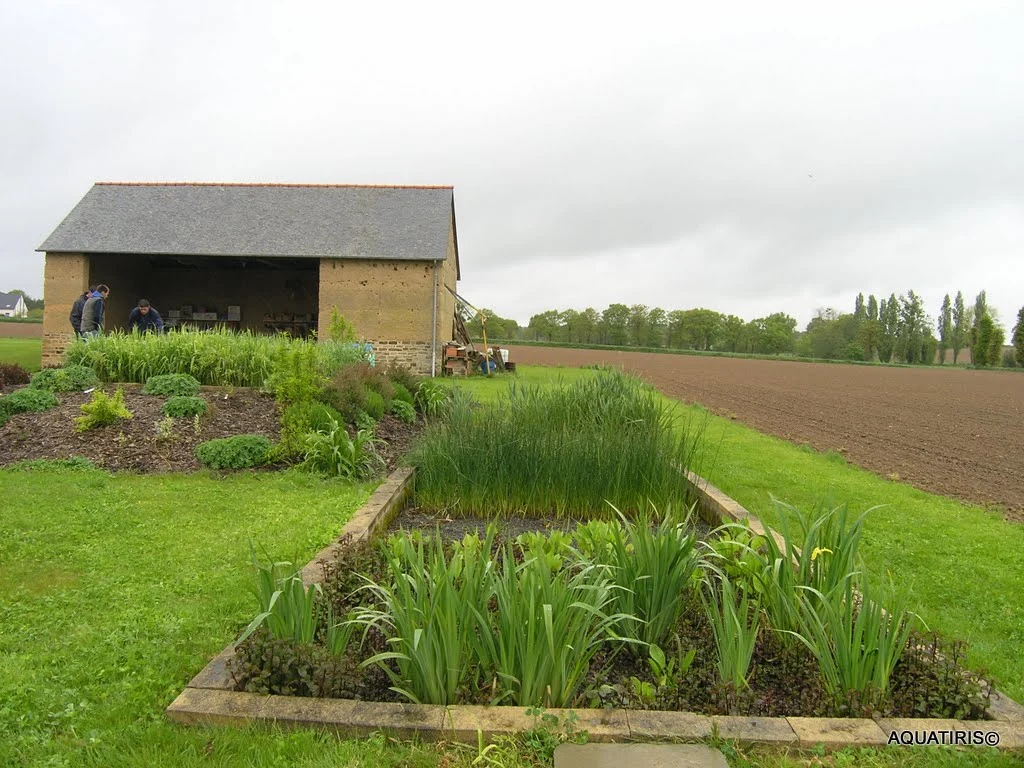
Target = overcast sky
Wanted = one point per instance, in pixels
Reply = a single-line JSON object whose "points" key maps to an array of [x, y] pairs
{"points": [[750, 158]]}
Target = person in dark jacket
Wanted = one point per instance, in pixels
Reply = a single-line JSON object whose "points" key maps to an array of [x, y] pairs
{"points": [[76, 310], [145, 318], [93, 312]]}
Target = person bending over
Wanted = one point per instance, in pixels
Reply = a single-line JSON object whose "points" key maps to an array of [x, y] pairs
{"points": [[145, 318]]}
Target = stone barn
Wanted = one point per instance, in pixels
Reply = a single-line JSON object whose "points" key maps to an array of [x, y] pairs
{"points": [[267, 258]]}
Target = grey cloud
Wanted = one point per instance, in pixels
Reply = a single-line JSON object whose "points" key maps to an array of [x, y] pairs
{"points": [[743, 157]]}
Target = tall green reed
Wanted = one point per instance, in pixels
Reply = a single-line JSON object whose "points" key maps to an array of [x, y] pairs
{"points": [[287, 608], [857, 634], [735, 623], [431, 614], [548, 626], [564, 451], [653, 564]]}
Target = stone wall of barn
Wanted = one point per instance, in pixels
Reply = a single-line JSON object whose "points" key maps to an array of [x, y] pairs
{"points": [[390, 304], [65, 278]]}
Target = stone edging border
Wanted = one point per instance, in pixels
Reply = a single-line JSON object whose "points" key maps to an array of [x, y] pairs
{"points": [[209, 699]]}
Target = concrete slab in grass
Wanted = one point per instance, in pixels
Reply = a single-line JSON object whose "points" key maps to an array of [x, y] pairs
{"points": [[201, 706], [638, 756], [837, 731], [684, 726], [770, 730]]}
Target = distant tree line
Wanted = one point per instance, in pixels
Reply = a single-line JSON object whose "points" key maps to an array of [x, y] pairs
{"points": [[893, 329]]}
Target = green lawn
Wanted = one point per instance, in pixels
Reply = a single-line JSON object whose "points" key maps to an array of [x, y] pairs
{"points": [[117, 590], [962, 565], [25, 352]]}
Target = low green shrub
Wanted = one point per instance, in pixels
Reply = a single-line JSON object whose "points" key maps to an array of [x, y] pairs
{"points": [[403, 411], [102, 411], [70, 378], [171, 385], [400, 375], [347, 395], [375, 405], [13, 375], [350, 391], [73, 464], [402, 394], [24, 401], [332, 452], [238, 452], [298, 421], [296, 377], [184, 407]]}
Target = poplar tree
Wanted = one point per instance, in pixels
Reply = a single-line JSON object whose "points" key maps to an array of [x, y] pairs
{"points": [[945, 329], [959, 325]]}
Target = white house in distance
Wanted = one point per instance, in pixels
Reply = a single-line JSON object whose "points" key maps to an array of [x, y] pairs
{"points": [[12, 305]]}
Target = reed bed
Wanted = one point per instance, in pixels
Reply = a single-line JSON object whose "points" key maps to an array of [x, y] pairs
{"points": [[569, 451]]}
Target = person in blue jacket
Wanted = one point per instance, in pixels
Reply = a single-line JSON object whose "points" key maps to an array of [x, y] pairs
{"points": [[145, 318]]}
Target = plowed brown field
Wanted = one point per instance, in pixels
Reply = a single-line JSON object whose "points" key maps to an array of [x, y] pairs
{"points": [[954, 432]]}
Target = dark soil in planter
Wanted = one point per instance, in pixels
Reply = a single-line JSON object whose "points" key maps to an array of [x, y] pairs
{"points": [[929, 681], [453, 528]]}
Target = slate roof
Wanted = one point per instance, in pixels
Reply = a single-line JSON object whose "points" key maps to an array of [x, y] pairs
{"points": [[260, 220], [9, 300]]}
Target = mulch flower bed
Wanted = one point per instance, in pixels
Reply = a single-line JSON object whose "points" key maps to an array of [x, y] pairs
{"points": [[137, 445]]}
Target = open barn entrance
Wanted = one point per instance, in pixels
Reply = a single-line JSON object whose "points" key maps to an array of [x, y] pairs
{"points": [[265, 295]]}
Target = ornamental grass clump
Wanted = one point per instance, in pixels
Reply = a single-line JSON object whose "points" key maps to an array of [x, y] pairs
{"points": [[566, 451], [734, 620], [332, 452], [218, 357], [819, 552], [287, 607]]}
